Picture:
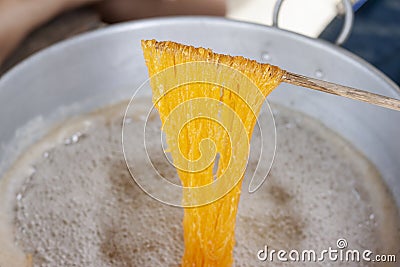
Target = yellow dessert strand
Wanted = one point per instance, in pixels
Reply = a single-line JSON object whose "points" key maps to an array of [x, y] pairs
{"points": [[230, 107]]}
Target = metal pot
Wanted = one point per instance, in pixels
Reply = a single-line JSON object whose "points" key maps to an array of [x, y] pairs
{"points": [[102, 67]]}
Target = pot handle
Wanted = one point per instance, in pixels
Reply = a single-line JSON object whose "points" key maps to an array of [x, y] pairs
{"points": [[347, 26]]}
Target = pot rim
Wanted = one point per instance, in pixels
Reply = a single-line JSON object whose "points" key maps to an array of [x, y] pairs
{"points": [[143, 23]]}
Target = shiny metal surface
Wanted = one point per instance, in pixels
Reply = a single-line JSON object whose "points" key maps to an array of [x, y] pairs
{"points": [[347, 26], [104, 66]]}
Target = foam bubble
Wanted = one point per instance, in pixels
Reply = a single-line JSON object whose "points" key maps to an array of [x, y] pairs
{"points": [[81, 208]]}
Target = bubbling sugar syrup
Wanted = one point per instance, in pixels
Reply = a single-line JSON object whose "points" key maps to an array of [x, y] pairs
{"points": [[70, 201]]}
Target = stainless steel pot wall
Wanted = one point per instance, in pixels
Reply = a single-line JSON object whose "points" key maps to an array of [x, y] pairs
{"points": [[104, 66]]}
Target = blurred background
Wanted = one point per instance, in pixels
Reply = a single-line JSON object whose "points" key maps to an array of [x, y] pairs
{"points": [[27, 26]]}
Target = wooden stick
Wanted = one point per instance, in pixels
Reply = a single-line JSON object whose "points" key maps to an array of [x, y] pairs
{"points": [[340, 90]]}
